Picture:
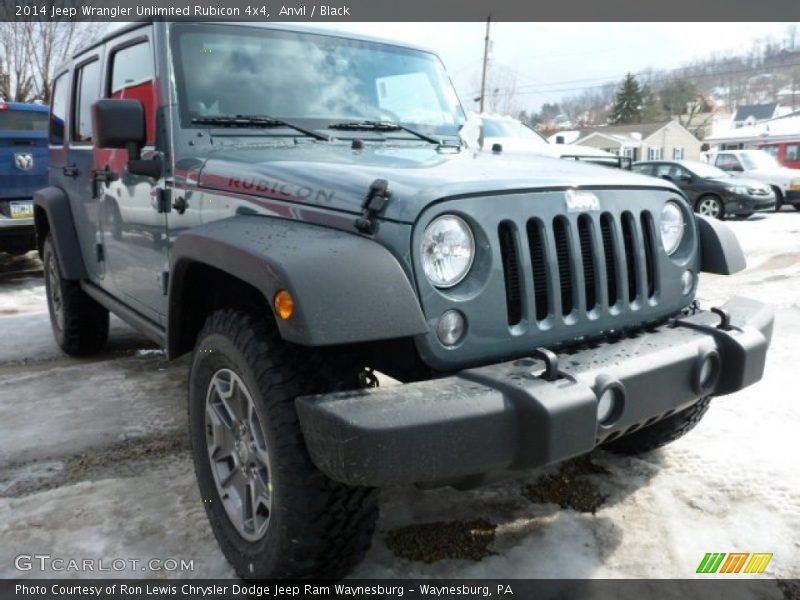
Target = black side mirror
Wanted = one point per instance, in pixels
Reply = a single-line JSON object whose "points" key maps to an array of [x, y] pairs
{"points": [[121, 124], [667, 177]]}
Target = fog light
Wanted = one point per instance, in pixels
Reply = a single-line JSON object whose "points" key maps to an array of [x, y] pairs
{"points": [[709, 370], [609, 405], [451, 328], [687, 282]]}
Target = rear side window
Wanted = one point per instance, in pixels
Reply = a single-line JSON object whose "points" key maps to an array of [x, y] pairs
{"points": [[643, 169], [133, 78], [792, 152], [86, 93], [728, 162], [22, 120], [58, 110]]}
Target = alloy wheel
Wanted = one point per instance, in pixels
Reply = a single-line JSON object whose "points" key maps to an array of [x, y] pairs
{"points": [[237, 451], [54, 290], [709, 207]]}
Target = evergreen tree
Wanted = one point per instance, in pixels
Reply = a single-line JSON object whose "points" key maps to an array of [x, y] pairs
{"points": [[629, 102]]}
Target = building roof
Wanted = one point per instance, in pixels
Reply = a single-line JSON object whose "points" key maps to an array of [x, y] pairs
{"points": [[759, 112], [781, 128], [632, 132]]}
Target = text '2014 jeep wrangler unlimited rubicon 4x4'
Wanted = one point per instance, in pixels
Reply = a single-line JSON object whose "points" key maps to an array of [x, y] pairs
{"points": [[298, 211]]}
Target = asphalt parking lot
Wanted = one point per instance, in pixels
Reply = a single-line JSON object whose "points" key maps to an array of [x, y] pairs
{"points": [[94, 463]]}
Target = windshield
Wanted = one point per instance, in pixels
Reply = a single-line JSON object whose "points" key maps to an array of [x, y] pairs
{"points": [[705, 170], [231, 70], [514, 129], [23, 120], [758, 159]]}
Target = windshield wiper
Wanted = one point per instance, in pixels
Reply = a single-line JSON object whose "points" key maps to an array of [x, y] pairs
{"points": [[380, 126], [258, 121]]}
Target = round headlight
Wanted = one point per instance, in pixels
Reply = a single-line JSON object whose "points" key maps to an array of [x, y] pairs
{"points": [[672, 226], [448, 249]]}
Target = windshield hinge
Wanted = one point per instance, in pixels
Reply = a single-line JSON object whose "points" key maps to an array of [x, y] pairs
{"points": [[376, 200]]}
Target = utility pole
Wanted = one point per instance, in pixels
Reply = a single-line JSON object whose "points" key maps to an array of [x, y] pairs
{"points": [[485, 62]]}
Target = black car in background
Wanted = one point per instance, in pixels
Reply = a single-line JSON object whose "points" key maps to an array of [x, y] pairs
{"points": [[712, 191]]}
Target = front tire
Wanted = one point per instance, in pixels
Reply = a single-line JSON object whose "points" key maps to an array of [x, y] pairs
{"points": [[710, 206], [662, 432], [80, 325], [778, 198], [274, 514]]}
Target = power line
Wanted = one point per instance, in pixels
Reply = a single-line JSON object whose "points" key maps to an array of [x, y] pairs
{"points": [[525, 89]]}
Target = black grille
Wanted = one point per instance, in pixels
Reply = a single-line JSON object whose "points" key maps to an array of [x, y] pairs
{"points": [[648, 235], [587, 256], [630, 253], [610, 256], [508, 251], [539, 266], [579, 264], [561, 238]]}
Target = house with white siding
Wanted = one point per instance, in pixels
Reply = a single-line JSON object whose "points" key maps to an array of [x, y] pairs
{"points": [[663, 140]]}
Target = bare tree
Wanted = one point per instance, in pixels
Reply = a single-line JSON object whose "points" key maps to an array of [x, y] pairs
{"points": [[16, 80], [501, 90], [31, 51]]}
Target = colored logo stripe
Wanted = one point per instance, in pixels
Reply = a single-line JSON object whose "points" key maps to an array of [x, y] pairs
{"points": [[758, 563], [713, 562], [734, 562]]}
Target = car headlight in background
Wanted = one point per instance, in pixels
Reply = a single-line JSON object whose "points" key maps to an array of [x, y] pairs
{"points": [[448, 249], [794, 184], [736, 189], [672, 226]]}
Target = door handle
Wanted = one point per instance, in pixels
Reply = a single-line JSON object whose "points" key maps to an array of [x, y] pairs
{"points": [[70, 171]]}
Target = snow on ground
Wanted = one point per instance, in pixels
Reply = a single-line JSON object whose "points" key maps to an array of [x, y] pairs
{"points": [[93, 463]]}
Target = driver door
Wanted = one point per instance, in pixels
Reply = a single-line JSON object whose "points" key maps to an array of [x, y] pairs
{"points": [[134, 231]]}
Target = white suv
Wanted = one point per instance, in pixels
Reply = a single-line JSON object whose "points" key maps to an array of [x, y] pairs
{"points": [[763, 167]]}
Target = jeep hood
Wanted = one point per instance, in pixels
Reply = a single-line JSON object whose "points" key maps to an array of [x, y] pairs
{"points": [[333, 176]]}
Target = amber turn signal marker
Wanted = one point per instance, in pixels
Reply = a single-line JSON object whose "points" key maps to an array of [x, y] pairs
{"points": [[284, 304]]}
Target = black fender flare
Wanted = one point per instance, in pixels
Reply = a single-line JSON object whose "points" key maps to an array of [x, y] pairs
{"points": [[346, 288], [720, 251], [52, 213]]}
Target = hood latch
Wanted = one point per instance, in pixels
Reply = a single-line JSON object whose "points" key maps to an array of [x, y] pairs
{"points": [[376, 200]]}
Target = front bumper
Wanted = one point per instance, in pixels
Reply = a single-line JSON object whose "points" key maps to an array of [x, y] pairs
{"points": [[17, 234], [746, 204], [792, 197], [509, 416]]}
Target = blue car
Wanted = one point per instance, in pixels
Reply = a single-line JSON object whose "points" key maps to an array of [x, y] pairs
{"points": [[23, 170]]}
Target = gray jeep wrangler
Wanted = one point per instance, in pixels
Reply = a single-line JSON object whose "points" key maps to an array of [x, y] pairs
{"points": [[299, 212]]}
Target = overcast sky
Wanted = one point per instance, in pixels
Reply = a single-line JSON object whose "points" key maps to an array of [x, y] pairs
{"points": [[560, 57]]}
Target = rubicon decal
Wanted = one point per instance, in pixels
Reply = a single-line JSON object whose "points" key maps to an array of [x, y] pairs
{"points": [[280, 190], [734, 562]]}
